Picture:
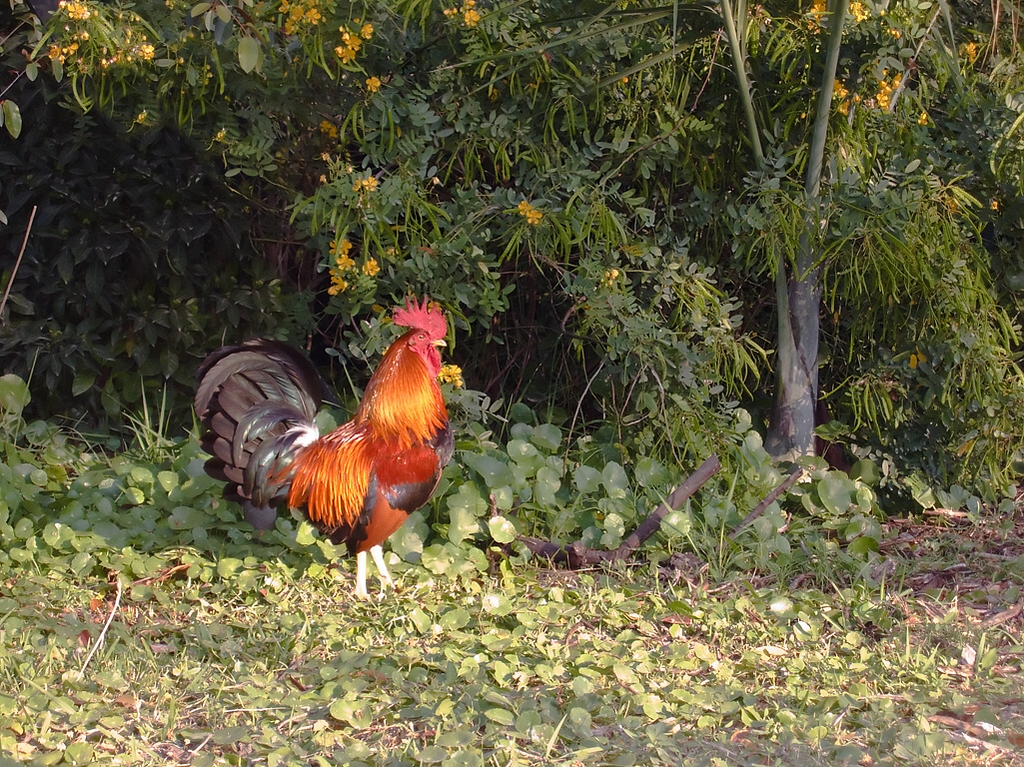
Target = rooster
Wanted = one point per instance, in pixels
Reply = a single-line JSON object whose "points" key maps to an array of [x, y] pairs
{"points": [[356, 484]]}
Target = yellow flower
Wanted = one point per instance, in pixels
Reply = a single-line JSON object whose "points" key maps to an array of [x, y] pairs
{"points": [[372, 84], [366, 32], [816, 12], [886, 88], [610, 276], [470, 16], [969, 51], [338, 285], [859, 11], [340, 251], [530, 213], [300, 14], [350, 45], [451, 374], [923, 119], [75, 10], [371, 267], [328, 128], [994, 205], [368, 184]]}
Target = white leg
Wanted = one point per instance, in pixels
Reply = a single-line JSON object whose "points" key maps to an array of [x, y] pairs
{"points": [[378, 559], [361, 576]]}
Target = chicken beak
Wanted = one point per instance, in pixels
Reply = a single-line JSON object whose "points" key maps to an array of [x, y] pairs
{"points": [[439, 342]]}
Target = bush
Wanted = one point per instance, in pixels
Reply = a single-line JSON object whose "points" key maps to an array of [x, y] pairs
{"points": [[138, 263]]}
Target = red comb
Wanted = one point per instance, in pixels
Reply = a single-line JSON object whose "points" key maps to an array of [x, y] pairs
{"points": [[426, 316]]}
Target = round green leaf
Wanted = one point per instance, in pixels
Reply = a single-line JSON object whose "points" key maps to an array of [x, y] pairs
{"points": [[168, 480], [431, 755], [497, 604], [835, 492], [502, 530], [494, 472], [78, 754], [228, 566], [587, 479], [14, 395], [501, 716], [454, 619], [351, 712], [650, 472], [305, 534], [615, 480], [230, 735], [547, 436]]}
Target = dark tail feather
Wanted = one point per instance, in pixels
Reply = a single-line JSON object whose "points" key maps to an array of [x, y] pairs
{"points": [[257, 402]]}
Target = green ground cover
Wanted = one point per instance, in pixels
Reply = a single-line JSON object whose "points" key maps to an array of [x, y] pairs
{"points": [[141, 623]]}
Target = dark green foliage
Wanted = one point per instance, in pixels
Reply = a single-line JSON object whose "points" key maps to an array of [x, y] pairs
{"points": [[139, 262]]}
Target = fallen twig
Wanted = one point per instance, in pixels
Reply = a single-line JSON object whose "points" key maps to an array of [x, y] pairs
{"points": [[161, 576], [103, 633], [767, 501], [577, 555], [17, 262], [1002, 617], [948, 513]]}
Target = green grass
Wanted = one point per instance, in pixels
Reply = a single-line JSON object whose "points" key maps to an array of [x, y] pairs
{"points": [[224, 648]]}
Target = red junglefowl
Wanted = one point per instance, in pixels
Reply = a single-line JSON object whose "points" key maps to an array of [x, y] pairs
{"points": [[360, 482]]}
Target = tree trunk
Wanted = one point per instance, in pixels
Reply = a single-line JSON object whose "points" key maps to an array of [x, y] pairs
{"points": [[791, 427], [798, 288]]}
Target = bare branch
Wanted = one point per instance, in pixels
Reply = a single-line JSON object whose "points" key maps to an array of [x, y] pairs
{"points": [[17, 263], [577, 555], [767, 500]]}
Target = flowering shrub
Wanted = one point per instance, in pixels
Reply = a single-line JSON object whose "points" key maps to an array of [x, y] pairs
{"points": [[572, 188]]}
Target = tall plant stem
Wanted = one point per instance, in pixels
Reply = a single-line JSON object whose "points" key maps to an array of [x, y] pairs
{"points": [[739, 59], [798, 286], [17, 263]]}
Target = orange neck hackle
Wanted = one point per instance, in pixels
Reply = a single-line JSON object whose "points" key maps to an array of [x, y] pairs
{"points": [[402, 401]]}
